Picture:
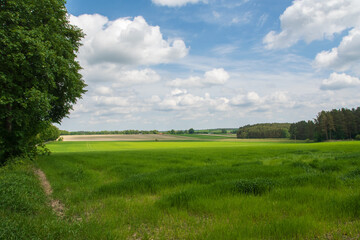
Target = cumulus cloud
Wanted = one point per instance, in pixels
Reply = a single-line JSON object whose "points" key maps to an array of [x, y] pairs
{"points": [[217, 76], [311, 20], [137, 77], [116, 74], [254, 102], [344, 57], [339, 81], [249, 99], [180, 100], [102, 90], [111, 100], [176, 3], [125, 41]]}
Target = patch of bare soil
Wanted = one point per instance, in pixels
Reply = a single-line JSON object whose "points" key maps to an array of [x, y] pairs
{"points": [[55, 204]]}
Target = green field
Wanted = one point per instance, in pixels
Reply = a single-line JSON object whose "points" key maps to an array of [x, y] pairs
{"points": [[205, 190]]}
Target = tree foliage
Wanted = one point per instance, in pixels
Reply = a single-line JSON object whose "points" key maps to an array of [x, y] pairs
{"points": [[51, 133], [39, 76], [264, 130], [329, 125]]}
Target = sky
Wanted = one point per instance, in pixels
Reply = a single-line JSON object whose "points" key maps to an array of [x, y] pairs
{"points": [[180, 64]]}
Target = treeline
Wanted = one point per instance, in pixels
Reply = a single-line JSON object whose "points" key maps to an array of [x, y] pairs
{"points": [[203, 131], [336, 124], [63, 132], [217, 131], [264, 130]]}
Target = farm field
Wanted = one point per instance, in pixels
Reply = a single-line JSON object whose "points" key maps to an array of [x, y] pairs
{"points": [[127, 137], [165, 137], [207, 190]]}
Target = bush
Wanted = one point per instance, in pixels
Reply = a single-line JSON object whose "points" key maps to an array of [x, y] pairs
{"points": [[357, 137]]}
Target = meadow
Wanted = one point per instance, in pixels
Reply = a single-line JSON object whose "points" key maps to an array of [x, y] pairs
{"points": [[204, 190]]}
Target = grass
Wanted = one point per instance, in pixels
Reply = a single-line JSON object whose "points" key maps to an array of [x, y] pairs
{"points": [[210, 136], [24, 209], [201, 190]]}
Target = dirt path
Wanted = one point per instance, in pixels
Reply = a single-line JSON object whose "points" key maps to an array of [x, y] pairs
{"points": [[56, 205]]}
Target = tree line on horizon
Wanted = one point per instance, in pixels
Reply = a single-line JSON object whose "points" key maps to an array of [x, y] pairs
{"points": [[172, 131], [264, 130], [337, 124], [105, 132]]}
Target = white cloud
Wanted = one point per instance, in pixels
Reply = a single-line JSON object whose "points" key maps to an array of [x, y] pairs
{"points": [[339, 81], [243, 19], [311, 20], [249, 99], [137, 77], [262, 20], [345, 57], [118, 75], [176, 3], [217, 76], [125, 41], [177, 92], [181, 101], [110, 101], [102, 90], [273, 102], [224, 49]]}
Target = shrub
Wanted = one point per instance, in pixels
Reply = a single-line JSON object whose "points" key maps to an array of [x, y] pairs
{"points": [[357, 137]]}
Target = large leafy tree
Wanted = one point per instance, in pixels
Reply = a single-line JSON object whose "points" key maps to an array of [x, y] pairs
{"points": [[39, 74]]}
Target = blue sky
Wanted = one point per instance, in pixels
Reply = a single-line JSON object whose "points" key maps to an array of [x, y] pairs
{"points": [[177, 64]]}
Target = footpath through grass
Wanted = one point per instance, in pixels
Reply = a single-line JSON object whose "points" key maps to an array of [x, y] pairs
{"points": [[24, 209], [207, 190]]}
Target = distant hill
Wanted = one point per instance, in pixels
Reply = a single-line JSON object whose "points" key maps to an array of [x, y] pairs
{"points": [[264, 130]]}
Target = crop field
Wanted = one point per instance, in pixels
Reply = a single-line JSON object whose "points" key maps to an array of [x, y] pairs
{"points": [[206, 190], [127, 137]]}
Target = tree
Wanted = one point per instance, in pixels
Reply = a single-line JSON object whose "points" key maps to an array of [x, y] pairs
{"points": [[191, 131], [50, 133], [39, 76]]}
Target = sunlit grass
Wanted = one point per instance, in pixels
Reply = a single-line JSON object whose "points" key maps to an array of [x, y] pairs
{"points": [[209, 190]]}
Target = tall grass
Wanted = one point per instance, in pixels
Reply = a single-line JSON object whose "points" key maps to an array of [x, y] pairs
{"points": [[209, 190], [24, 209]]}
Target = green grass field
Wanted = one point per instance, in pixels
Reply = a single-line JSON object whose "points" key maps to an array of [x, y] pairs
{"points": [[205, 190]]}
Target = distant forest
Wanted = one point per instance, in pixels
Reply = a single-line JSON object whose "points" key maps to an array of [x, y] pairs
{"points": [[63, 132], [190, 131], [336, 124], [265, 130]]}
